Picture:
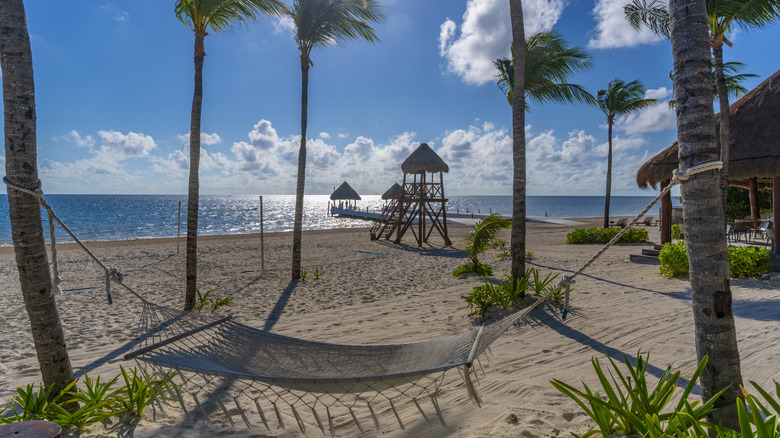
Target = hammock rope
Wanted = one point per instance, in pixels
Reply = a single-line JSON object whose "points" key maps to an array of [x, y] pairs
{"points": [[240, 361]]}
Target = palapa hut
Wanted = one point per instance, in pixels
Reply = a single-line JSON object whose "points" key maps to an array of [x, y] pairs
{"points": [[391, 192], [345, 193], [421, 201], [754, 155]]}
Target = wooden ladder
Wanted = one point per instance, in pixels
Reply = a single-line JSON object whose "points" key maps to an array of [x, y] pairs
{"points": [[387, 222]]}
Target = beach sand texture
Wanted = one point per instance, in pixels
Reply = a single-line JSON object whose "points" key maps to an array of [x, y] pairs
{"points": [[380, 292]]}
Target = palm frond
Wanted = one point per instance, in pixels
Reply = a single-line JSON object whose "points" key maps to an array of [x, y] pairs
{"points": [[505, 77], [481, 238], [748, 14], [654, 15], [221, 15], [734, 80], [622, 98], [320, 23]]}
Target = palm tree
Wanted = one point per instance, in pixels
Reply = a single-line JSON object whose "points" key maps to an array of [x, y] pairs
{"points": [[321, 23], [722, 17], [704, 220], [549, 62], [619, 98], [734, 80], [479, 240], [21, 167], [199, 16], [517, 233]]}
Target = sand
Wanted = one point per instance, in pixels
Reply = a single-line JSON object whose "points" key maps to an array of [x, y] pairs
{"points": [[379, 292]]}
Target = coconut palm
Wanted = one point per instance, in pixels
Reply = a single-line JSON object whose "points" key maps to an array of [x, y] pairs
{"points": [[549, 63], [21, 168], [200, 16], [517, 233], [321, 23], [479, 240], [620, 98], [704, 220], [722, 17]]}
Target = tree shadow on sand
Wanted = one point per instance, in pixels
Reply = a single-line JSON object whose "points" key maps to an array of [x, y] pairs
{"points": [[278, 308], [435, 250]]}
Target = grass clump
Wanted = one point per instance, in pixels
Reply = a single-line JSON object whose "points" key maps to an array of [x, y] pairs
{"points": [[604, 235], [503, 296], [744, 261], [216, 303]]}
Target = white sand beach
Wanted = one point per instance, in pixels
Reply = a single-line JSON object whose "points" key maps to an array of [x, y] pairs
{"points": [[380, 292]]}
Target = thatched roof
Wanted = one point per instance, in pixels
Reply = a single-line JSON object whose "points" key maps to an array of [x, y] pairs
{"points": [[344, 192], [754, 137], [390, 193], [424, 159]]}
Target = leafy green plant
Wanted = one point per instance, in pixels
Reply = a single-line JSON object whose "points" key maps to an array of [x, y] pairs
{"points": [[504, 254], [744, 261], [473, 268], [201, 301], [317, 273], [218, 303], [509, 293], [140, 389], [604, 235], [629, 406], [35, 405], [529, 255], [304, 273], [677, 232], [759, 422], [483, 297], [483, 235], [499, 243]]}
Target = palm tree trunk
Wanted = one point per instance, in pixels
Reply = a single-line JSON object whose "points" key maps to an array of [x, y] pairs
{"points": [[518, 141], [21, 167], [703, 210], [193, 190], [725, 120], [609, 175], [295, 273]]}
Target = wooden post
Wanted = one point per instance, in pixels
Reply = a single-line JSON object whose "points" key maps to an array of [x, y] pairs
{"points": [[775, 211], [178, 229], [666, 216], [262, 243], [755, 213]]}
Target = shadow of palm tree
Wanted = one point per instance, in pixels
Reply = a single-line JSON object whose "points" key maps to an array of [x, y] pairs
{"points": [[281, 303]]}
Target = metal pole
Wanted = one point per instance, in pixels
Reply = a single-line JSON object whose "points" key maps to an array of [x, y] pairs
{"points": [[262, 243], [178, 229]]}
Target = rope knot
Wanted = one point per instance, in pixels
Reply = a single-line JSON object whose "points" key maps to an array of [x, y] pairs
{"points": [[566, 281], [115, 275], [686, 174]]}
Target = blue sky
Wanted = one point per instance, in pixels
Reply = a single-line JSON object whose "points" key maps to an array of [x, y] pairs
{"points": [[114, 83]]}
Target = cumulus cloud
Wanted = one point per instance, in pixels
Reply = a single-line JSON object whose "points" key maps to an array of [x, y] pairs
{"points": [[324, 135], [74, 137], [205, 138], [657, 117], [283, 24], [613, 30], [343, 134], [486, 32], [126, 145]]}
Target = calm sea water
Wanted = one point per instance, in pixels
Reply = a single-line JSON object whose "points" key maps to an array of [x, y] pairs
{"points": [[108, 217]]}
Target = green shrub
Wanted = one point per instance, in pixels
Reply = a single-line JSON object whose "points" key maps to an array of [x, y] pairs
{"points": [[677, 232], [216, 303], [473, 268], [504, 296], [604, 235], [744, 261]]}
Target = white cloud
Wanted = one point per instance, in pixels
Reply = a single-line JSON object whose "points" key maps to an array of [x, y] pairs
{"points": [[343, 134], [486, 33], [283, 24], [205, 139], [613, 30], [657, 117], [126, 145], [324, 135], [74, 137]]}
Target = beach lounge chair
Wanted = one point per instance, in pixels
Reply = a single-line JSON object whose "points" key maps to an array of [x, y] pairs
{"points": [[650, 221], [622, 223]]}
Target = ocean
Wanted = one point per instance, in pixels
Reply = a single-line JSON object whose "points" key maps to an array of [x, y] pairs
{"points": [[111, 217]]}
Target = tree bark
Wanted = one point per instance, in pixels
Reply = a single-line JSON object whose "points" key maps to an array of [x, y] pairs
{"points": [[725, 121], [755, 211], [703, 209], [609, 174], [775, 212], [518, 233], [193, 190], [666, 215], [295, 273], [21, 167]]}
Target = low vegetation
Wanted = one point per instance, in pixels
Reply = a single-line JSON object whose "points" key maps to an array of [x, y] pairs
{"points": [[604, 235], [96, 400], [503, 296], [215, 303], [478, 241], [744, 261], [626, 406]]}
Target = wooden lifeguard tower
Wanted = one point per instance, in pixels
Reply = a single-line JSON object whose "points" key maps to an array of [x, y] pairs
{"points": [[420, 204]]}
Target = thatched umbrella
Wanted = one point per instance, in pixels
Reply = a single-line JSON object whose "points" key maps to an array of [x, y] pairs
{"points": [[754, 156], [345, 193], [391, 192], [424, 159]]}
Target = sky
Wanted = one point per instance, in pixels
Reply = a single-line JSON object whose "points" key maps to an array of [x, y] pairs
{"points": [[114, 85]]}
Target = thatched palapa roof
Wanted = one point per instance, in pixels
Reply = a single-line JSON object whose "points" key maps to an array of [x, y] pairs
{"points": [[391, 192], [754, 137], [424, 159], [344, 192]]}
